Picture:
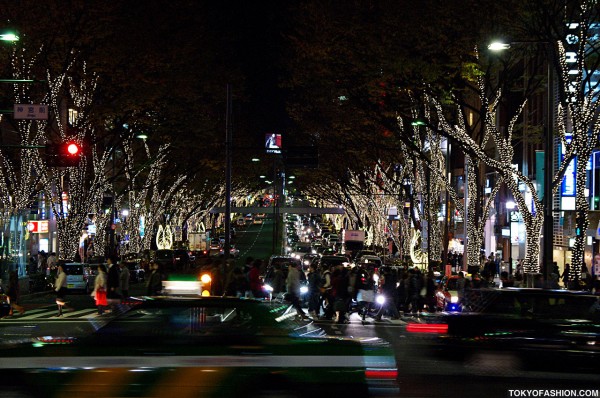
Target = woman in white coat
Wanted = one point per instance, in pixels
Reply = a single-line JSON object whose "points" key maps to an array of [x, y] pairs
{"points": [[99, 293]]}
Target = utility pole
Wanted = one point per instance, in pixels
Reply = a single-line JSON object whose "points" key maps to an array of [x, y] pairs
{"points": [[228, 148]]}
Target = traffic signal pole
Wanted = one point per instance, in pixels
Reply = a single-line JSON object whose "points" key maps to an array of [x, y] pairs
{"points": [[228, 148]]}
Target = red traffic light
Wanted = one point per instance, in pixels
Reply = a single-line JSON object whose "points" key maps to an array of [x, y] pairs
{"points": [[72, 149]]}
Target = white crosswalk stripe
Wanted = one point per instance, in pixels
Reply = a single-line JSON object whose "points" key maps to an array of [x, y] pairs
{"points": [[51, 312]]}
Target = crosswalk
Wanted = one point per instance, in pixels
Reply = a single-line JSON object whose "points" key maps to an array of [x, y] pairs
{"points": [[51, 312]]}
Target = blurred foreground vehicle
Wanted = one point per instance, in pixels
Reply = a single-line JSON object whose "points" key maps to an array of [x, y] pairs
{"points": [[516, 330], [201, 347]]}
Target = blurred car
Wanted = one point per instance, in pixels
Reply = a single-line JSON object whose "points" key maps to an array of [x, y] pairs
{"points": [[517, 329], [200, 347], [257, 221]]}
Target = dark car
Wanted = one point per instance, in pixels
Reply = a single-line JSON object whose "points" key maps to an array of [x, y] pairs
{"points": [[199, 347], [514, 330], [133, 262], [182, 259], [165, 258], [136, 272]]}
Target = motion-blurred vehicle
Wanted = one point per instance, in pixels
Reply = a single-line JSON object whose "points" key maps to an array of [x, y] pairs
{"points": [[199, 347], [512, 330]]}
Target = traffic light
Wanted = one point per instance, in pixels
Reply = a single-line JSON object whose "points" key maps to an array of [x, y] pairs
{"points": [[64, 154], [578, 221]]}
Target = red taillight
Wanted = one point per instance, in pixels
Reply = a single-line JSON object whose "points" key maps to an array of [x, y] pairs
{"points": [[438, 328], [381, 373]]}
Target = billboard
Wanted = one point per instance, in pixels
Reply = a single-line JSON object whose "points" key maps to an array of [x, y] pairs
{"points": [[273, 143]]}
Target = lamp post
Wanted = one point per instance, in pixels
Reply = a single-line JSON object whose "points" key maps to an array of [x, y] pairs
{"points": [[548, 230], [510, 206]]}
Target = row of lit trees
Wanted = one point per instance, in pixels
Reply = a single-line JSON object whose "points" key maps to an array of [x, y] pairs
{"points": [[477, 104]]}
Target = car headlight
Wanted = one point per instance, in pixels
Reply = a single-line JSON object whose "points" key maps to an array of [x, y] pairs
{"points": [[454, 299], [380, 299], [268, 288], [205, 278], [303, 289]]}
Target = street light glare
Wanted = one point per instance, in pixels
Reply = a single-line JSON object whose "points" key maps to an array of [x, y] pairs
{"points": [[498, 46], [8, 36]]}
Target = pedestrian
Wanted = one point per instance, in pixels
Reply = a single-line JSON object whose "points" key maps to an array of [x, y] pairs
{"points": [[565, 275], [387, 288], [254, 279], [461, 288], [430, 289], [60, 287], [415, 284], [314, 283], [112, 281], [51, 263], [341, 296], [238, 284], [124, 280], [13, 293], [99, 293], [326, 300], [278, 280], [292, 284], [154, 285]]}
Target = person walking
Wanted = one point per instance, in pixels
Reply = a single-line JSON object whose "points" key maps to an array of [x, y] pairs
{"points": [[154, 285], [254, 279], [13, 293], [565, 275], [99, 293], [112, 281], [60, 287], [292, 284], [124, 277], [314, 284]]}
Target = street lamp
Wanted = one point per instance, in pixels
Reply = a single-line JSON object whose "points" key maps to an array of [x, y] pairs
{"points": [[548, 198], [510, 215]]}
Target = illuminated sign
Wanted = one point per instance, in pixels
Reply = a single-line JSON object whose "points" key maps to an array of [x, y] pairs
{"points": [[273, 143], [37, 227]]}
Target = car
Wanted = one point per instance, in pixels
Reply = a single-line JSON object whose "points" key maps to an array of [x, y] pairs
{"points": [[370, 261], [136, 272], [446, 295], [77, 277], [300, 249], [165, 258], [182, 259], [200, 346], [512, 330], [331, 260], [257, 221], [233, 252], [364, 252]]}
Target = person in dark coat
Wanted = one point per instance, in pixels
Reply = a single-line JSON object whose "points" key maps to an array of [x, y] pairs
{"points": [[112, 280], [13, 293]]}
